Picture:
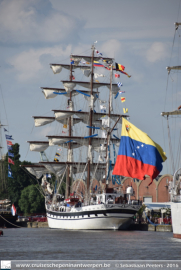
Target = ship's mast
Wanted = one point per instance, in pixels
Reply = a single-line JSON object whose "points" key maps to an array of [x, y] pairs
{"points": [[90, 124], [68, 173], [108, 132]]}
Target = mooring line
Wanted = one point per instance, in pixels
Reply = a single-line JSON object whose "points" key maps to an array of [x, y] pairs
{"points": [[11, 223]]}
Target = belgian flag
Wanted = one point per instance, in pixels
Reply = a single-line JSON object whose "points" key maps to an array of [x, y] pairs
{"points": [[119, 67]]}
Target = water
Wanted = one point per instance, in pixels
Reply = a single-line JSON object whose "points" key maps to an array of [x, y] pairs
{"points": [[52, 244]]}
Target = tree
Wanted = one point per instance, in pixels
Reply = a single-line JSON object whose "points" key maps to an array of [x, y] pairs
{"points": [[140, 212], [31, 200], [20, 179], [16, 186]]}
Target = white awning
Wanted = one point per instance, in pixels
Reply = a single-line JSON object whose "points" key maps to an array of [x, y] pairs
{"points": [[157, 206]]}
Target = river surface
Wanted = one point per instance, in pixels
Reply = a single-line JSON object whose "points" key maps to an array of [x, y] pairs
{"points": [[52, 244]]}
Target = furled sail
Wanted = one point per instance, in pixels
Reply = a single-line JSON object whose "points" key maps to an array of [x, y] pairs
{"points": [[69, 86], [173, 68], [176, 112], [53, 92], [38, 146], [78, 58], [62, 114], [57, 140], [44, 120], [57, 68]]}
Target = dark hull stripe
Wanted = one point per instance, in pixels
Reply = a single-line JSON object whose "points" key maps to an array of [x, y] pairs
{"points": [[71, 219]]}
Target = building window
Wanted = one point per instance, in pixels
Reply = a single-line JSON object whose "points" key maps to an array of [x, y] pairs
{"points": [[147, 199]]}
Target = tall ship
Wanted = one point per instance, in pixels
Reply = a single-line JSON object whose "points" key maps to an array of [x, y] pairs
{"points": [[88, 123], [8, 215], [172, 115], [7, 218]]}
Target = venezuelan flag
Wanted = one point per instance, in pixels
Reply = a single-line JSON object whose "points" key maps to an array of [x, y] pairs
{"points": [[138, 154], [97, 64]]}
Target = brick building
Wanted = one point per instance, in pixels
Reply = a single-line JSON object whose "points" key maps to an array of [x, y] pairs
{"points": [[156, 192]]}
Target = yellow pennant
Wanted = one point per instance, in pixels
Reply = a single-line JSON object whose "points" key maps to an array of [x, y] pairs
{"points": [[125, 110]]}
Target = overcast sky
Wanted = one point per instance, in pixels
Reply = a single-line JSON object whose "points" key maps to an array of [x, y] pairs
{"points": [[34, 33]]}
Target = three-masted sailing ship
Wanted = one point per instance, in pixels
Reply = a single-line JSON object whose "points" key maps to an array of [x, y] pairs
{"points": [[85, 205], [7, 219], [173, 119]]}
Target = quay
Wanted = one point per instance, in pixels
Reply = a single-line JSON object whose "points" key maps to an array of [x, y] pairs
{"points": [[132, 227], [150, 227], [36, 224]]}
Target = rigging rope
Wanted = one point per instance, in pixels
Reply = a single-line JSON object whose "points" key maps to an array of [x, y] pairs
{"points": [[59, 185], [174, 146], [34, 178], [81, 176], [4, 105]]}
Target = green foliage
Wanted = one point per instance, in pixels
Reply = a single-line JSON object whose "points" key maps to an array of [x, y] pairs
{"points": [[141, 210], [62, 187], [21, 189], [20, 180], [31, 200]]}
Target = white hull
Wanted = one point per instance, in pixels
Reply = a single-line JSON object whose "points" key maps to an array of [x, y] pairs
{"points": [[93, 217], [176, 219]]}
